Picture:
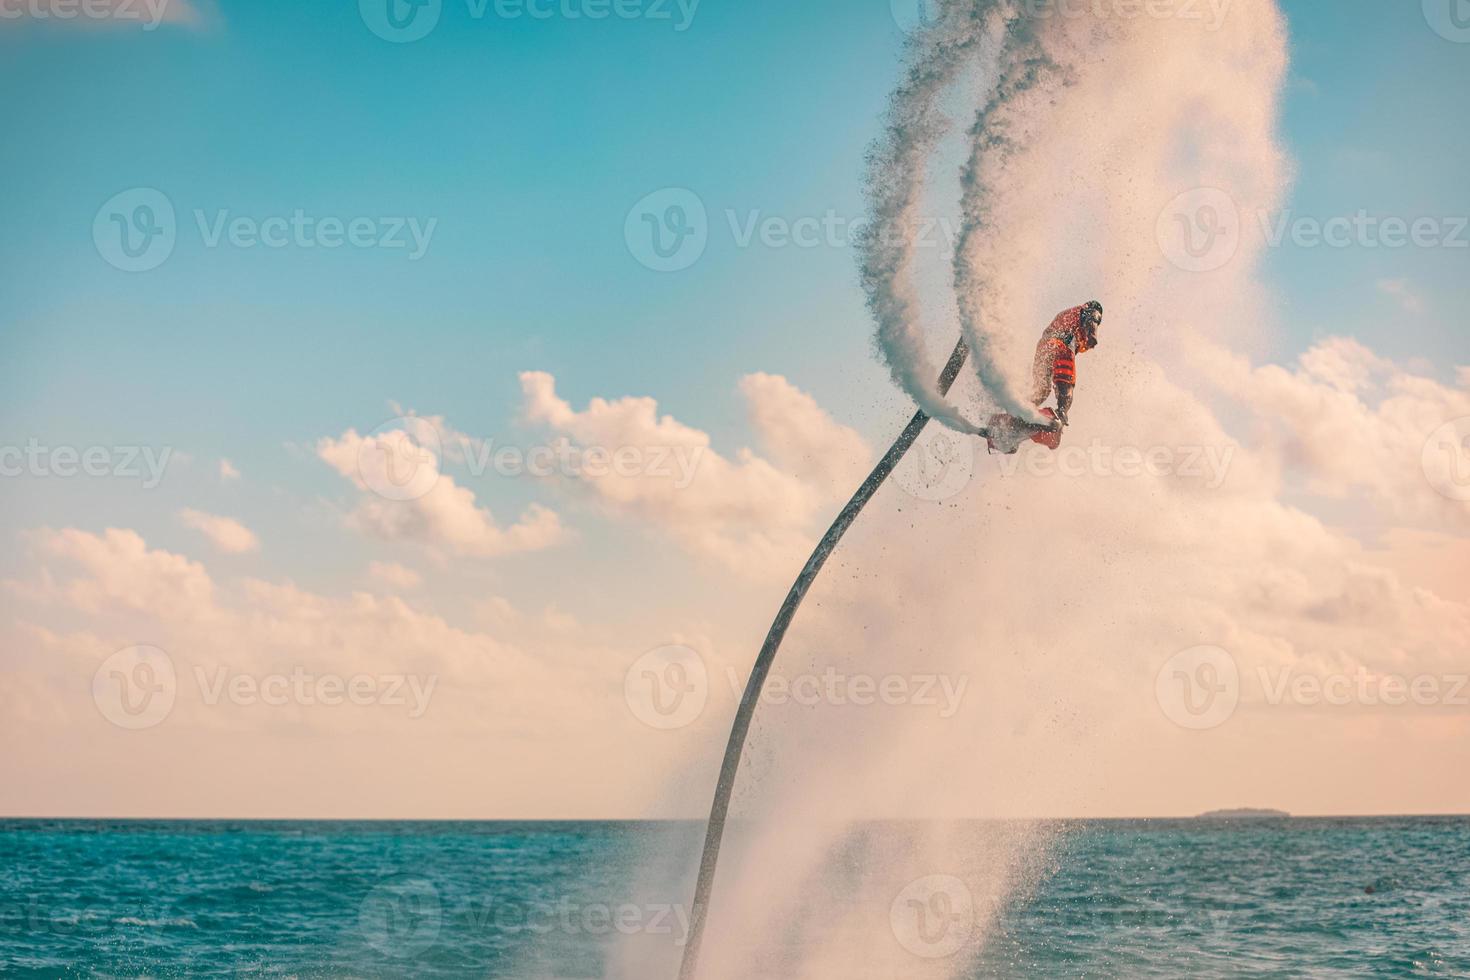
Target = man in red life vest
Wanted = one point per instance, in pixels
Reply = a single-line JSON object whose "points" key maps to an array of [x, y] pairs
{"points": [[1073, 332]]}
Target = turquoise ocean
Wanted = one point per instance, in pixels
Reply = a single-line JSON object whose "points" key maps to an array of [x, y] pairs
{"points": [[1380, 897]]}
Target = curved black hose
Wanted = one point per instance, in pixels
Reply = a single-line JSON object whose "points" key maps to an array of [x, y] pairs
{"points": [[715, 832]]}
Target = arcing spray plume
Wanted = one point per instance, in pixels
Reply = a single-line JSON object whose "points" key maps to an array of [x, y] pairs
{"points": [[725, 788], [1063, 179], [997, 133], [897, 165]]}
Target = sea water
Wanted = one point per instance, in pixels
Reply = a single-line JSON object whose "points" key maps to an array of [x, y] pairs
{"points": [[1185, 898]]}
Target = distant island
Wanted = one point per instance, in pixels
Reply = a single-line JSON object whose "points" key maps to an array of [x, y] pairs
{"points": [[1244, 813]]}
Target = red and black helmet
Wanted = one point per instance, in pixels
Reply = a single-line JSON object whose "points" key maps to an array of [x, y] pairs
{"points": [[1088, 322]]}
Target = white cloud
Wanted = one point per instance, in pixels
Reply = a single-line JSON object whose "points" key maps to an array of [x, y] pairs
{"points": [[1348, 421], [121, 572], [227, 471], [1408, 298], [751, 513], [395, 575], [443, 516], [227, 534], [802, 438], [534, 704]]}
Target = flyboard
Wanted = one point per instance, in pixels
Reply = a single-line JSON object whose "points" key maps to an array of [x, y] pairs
{"points": [[720, 808]]}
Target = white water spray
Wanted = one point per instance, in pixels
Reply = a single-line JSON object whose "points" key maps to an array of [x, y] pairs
{"points": [[1085, 130]]}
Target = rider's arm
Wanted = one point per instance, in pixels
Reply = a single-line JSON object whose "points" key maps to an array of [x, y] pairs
{"points": [[1063, 378], [1064, 400]]}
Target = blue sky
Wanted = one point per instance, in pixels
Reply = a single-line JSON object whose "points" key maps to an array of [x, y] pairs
{"points": [[518, 147], [528, 141]]}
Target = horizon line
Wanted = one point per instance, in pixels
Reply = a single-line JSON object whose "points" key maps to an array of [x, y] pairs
{"points": [[1208, 815]]}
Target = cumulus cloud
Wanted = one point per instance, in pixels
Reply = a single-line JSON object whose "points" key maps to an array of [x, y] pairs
{"points": [[119, 571], [533, 701], [749, 512], [225, 533], [802, 438], [227, 471], [394, 575], [1058, 590], [1408, 298], [1061, 586], [406, 495], [1348, 421]]}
